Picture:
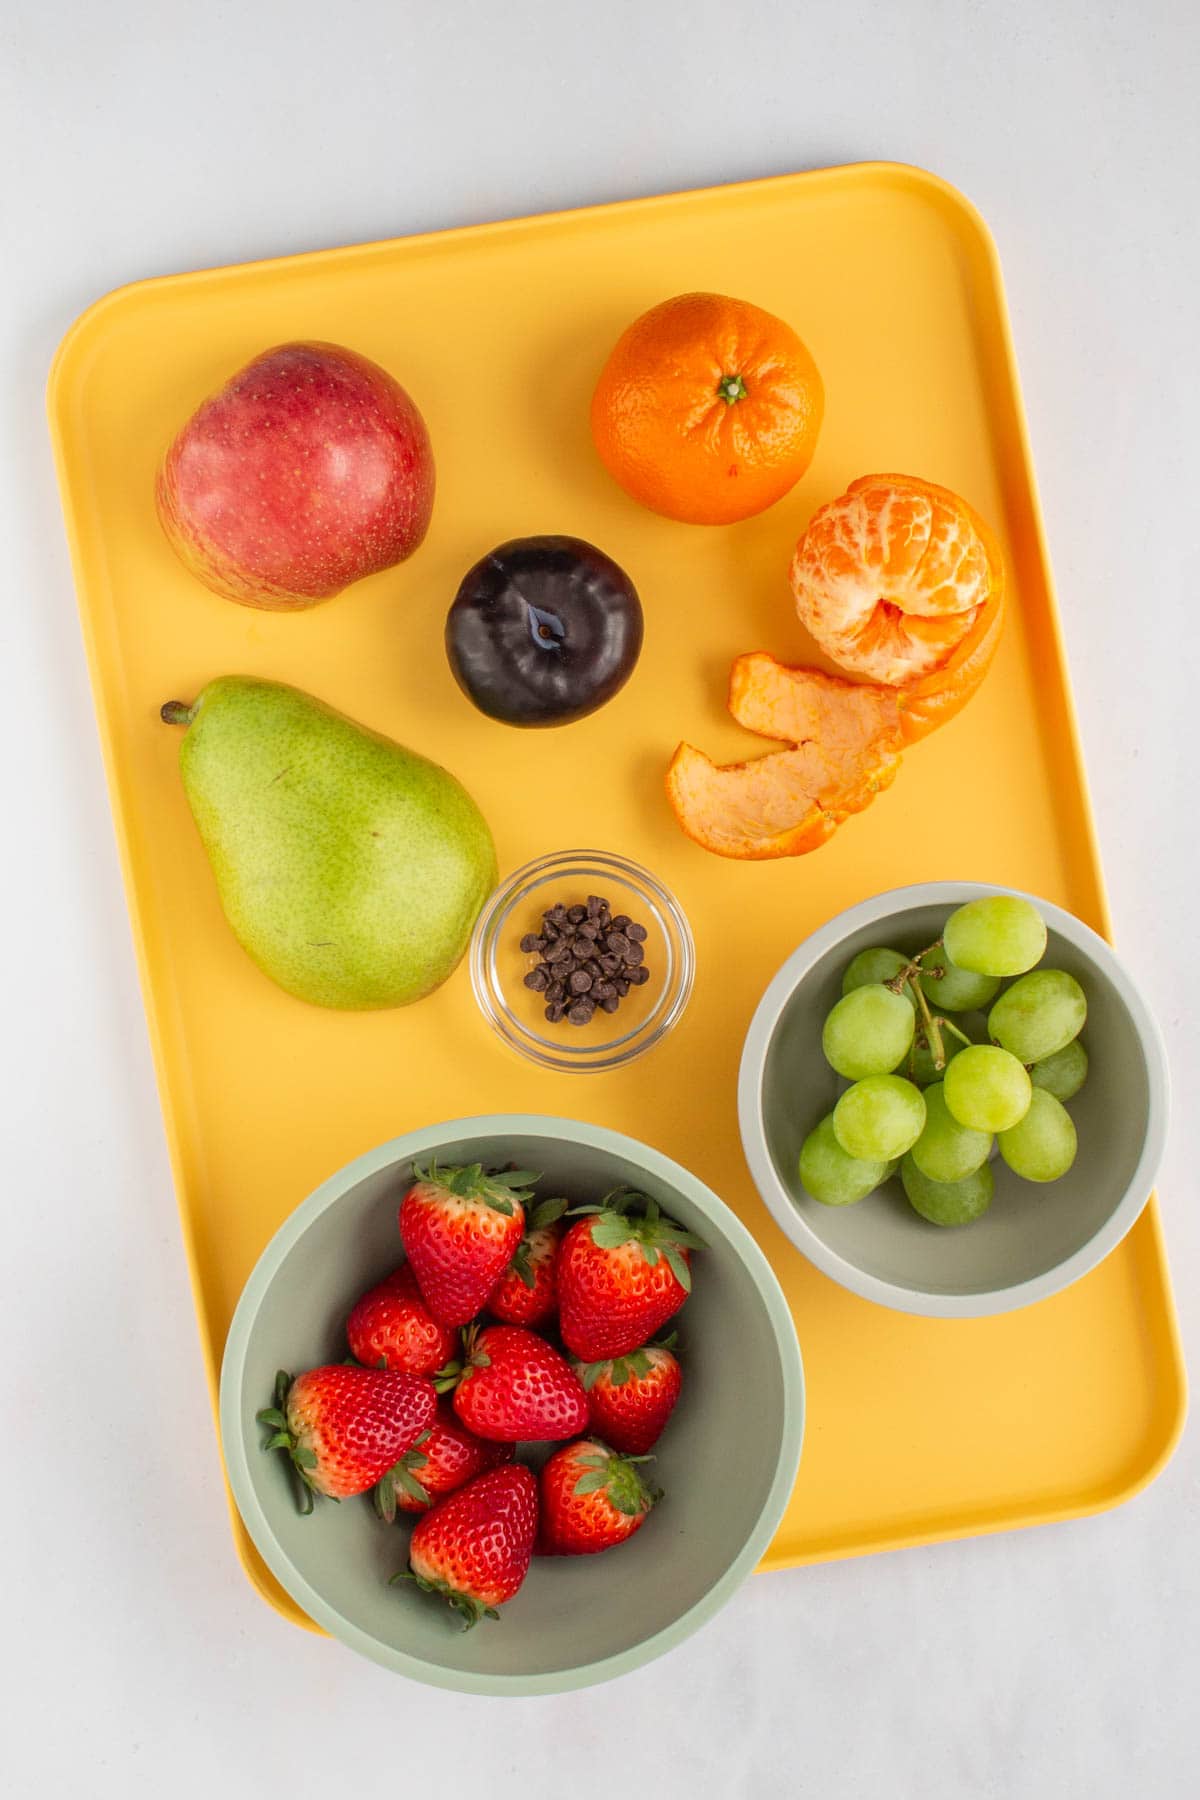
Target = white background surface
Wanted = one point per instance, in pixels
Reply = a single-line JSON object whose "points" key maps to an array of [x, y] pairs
{"points": [[140, 138]]}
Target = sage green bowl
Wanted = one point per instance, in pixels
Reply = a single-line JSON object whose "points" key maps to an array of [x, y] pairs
{"points": [[727, 1460], [1034, 1239]]}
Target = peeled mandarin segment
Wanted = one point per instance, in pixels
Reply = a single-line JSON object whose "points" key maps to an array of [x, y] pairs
{"points": [[891, 577], [935, 699]]}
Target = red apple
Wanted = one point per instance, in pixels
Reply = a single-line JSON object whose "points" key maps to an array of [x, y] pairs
{"points": [[310, 469]]}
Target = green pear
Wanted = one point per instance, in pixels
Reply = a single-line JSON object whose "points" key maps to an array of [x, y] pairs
{"points": [[351, 870]]}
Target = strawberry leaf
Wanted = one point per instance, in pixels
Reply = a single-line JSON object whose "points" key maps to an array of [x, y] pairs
{"points": [[383, 1498], [678, 1267], [408, 1481], [303, 1457], [503, 1192], [446, 1377], [592, 1482], [610, 1231], [271, 1415], [520, 1264], [589, 1373], [546, 1212]]}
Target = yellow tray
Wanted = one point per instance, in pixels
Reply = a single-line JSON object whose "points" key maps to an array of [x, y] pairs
{"points": [[918, 1429]]}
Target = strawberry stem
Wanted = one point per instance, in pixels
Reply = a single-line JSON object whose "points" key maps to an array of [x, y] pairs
{"points": [[282, 1438]]}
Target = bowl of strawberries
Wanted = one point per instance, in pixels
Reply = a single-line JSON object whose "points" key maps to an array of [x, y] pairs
{"points": [[485, 1394]]}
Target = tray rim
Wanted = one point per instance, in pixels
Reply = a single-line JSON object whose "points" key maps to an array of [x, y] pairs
{"points": [[936, 189]]}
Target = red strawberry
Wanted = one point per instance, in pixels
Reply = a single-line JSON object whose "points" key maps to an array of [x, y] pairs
{"points": [[442, 1459], [621, 1275], [591, 1499], [515, 1387], [461, 1229], [345, 1427], [528, 1290], [392, 1328], [631, 1397], [475, 1546]]}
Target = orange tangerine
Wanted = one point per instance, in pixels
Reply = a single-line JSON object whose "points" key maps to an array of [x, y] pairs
{"points": [[708, 409], [896, 577]]}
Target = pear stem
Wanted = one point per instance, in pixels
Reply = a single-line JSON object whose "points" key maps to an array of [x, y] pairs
{"points": [[175, 712]]}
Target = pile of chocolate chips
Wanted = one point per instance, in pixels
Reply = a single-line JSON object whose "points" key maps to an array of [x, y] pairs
{"points": [[587, 959]]}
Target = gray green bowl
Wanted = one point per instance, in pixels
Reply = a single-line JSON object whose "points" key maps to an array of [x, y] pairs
{"points": [[727, 1461], [1034, 1239]]}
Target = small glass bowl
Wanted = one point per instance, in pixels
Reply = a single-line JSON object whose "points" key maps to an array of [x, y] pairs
{"points": [[499, 965]]}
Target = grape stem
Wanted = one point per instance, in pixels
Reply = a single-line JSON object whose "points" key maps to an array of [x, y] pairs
{"points": [[908, 976], [933, 1032], [949, 1025]]}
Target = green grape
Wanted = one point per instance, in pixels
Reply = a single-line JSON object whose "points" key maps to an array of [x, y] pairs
{"points": [[832, 1177], [1042, 1145], [948, 1202], [999, 934], [881, 1117], [868, 1032], [923, 1069], [1062, 1074], [946, 1150], [1038, 1015], [987, 1088], [875, 966], [952, 989]]}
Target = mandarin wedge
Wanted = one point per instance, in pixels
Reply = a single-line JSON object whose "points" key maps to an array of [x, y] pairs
{"points": [[901, 581]]}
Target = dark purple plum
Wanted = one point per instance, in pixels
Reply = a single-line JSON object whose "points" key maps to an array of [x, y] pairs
{"points": [[544, 630]]}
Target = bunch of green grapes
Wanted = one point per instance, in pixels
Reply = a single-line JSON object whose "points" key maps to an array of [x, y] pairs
{"points": [[928, 1099]]}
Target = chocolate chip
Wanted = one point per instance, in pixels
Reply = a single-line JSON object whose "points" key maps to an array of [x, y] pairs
{"points": [[589, 958]]}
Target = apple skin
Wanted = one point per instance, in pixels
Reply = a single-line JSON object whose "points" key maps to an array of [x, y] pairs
{"points": [[308, 470]]}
